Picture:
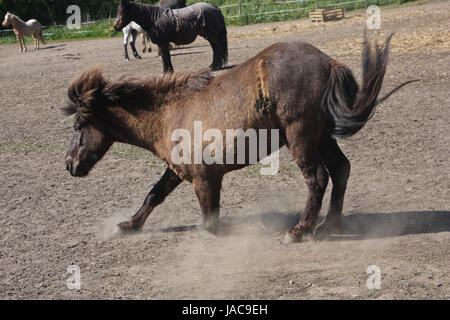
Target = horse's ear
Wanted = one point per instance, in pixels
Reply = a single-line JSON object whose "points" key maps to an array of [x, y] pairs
{"points": [[124, 3]]}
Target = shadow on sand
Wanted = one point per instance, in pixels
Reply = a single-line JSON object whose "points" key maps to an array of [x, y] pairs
{"points": [[357, 226], [52, 47], [371, 225], [186, 53]]}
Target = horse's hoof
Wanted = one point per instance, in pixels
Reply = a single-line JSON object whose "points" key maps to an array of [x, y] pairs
{"points": [[127, 60], [215, 66], [288, 238], [125, 228], [291, 236], [219, 229]]}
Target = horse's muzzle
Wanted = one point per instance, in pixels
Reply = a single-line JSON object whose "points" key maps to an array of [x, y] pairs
{"points": [[74, 169]]}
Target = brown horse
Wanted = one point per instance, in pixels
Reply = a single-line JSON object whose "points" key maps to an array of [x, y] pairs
{"points": [[292, 87]]}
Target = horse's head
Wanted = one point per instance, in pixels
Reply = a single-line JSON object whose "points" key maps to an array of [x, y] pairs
{"points": [[123, 15], [7, 20], [90, 139]]}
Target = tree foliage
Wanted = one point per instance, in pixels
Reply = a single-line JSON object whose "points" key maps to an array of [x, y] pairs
{"points": [[51, 12]]}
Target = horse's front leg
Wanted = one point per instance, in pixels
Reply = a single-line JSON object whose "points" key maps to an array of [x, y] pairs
{"points": [[167, 63], [208, 194], [23, 42], [168, 182], [20, 42]]}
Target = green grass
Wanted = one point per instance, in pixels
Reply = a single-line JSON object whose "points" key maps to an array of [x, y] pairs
{"points": [[96, 30], [251, 9], [249, 15]]}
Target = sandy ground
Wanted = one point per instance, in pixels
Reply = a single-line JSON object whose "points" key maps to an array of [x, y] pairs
{"points": [[397, 203]]}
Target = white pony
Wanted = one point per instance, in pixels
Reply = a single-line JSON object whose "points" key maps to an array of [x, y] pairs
{"points": [[134, 29], [25, 29]]}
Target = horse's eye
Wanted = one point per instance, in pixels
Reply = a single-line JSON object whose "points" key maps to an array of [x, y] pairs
{"points": [[78, 127]]}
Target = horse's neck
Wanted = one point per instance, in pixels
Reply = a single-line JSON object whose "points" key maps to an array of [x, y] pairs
{"points": [[16, 21], [140, 128], [145, 15]]}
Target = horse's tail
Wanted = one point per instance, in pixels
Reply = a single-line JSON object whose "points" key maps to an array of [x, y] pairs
{"points": [[215, 26], [347, 106], [41, 36], [223, 42], [223, 39]]}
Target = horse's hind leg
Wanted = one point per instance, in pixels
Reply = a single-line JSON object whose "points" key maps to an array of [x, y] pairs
{"points": [[168, 182], [304, 146], [126, 36], [36, 36], [144, 44], [132, 43], [339, 168], [35, 46]]}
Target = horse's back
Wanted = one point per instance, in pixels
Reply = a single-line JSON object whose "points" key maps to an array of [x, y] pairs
{"points": [[203, 6], [290, 73], [295, 74], [33, 23], [207, 15], [285, 60]]}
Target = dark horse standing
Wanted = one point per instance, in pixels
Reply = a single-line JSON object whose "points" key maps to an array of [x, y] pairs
{"points": [[180, 26]]}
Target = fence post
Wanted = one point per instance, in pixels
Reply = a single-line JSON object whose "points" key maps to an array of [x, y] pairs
{"points": [[365, 3], [109, 24], [317, 4], [240, 8]]}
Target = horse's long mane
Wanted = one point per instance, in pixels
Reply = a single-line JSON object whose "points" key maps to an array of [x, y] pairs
{"points": [[148, 12], [90, 91], [12, 15]]}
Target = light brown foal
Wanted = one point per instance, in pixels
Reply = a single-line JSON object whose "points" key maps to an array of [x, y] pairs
{"points": [[25, 29]]}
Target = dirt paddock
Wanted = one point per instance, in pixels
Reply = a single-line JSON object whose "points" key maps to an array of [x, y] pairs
{"points": [[397, 202]]}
